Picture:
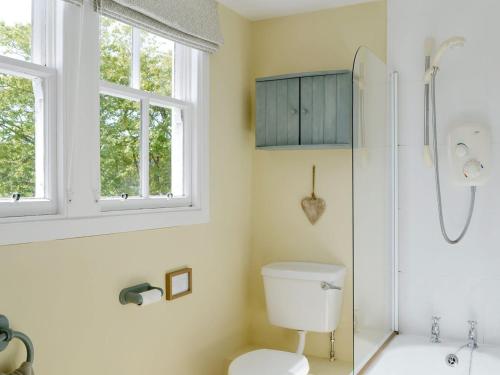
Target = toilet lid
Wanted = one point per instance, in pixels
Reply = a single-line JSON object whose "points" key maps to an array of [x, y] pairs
{"points": [[269, 362]]}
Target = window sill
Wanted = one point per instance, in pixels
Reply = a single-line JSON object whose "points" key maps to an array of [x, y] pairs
{"points": [[55, 227]]}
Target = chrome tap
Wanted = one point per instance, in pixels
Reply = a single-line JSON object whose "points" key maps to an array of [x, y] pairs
{"points": [[472, 336], [435, 331]]}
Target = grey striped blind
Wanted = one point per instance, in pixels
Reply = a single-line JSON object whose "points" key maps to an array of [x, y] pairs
{"points": [[194, 23]]}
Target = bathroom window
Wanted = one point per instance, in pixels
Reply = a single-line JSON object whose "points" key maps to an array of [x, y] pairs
{"points": [[27, 97], [131, 115], [144, 127]]}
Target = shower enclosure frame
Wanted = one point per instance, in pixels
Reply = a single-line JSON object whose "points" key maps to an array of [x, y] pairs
{"points": [[394, 79], [392, 204]]}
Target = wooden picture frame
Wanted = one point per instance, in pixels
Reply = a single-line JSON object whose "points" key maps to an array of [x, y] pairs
{"points": [[169, 283]]}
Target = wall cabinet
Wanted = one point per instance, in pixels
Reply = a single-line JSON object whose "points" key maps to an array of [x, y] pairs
{"points": [[311, 110]]}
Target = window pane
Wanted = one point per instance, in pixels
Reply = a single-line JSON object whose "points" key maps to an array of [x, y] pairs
{"points": [[17, 137], [160, 151], [15, 30], [116, 51], [156, 64], [120, 140]]}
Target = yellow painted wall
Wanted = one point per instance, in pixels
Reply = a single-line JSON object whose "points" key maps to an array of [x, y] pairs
{"points": [[325, 40], [65, 293]]}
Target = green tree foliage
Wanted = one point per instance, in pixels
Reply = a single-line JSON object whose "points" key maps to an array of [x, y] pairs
{"points": [[120, 140], [17, 118], [116, 52], [15, 41], [159, 150], [120, 118]]}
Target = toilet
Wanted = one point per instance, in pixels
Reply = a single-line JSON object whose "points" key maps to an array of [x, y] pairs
{"points": [[306, 297]]}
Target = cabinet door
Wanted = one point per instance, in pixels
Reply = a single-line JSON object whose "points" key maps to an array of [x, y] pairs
{"points": [[277, 112], [319, 110], [325, 109]]}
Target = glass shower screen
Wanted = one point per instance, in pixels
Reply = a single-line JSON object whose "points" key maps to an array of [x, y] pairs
{"points": [[372, 207]]}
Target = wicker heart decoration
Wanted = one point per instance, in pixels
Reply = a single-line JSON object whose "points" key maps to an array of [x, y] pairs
{"points": [[313, 206]]}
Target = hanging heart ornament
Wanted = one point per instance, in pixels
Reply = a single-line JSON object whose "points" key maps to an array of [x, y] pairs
{"points": [[313, 206]]}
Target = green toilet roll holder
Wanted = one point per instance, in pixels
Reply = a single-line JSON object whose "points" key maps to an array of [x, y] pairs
{"points": [[133, 294]]}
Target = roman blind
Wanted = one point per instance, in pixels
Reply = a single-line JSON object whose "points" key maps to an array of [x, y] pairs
{"points": [[194, 23]]}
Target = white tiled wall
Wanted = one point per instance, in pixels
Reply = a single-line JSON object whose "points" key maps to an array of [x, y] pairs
{"points": [[458, 282]]}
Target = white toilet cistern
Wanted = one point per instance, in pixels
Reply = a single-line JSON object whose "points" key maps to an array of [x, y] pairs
{"points": [[299, 296]]}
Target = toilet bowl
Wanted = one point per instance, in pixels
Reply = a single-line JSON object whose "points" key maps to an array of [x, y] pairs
{"points": [[299, 296]]}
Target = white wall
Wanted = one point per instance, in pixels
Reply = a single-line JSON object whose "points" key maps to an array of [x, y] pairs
{"points": [[458, 282]]}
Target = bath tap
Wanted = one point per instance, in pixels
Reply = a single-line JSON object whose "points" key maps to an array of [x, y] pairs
{"points": [[472, 336], [435, 331]]}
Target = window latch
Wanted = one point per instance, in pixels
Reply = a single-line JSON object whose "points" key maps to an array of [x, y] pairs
{"points": [[16, 197], [124, 196]]}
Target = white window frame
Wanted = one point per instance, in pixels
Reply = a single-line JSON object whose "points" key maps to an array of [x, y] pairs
{"points": [[40, 70], [80, 211], [133, 93], [145, 200]]}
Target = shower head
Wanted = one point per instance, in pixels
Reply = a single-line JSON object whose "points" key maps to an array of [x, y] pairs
{"points": [[453, 42]]}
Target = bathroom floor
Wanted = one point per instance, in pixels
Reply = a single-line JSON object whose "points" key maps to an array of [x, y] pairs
{"points": [[319, 366], [322, 366]]}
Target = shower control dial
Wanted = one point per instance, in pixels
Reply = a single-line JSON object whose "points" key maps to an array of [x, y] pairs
{"points": [[472, 169], [461, 150]]}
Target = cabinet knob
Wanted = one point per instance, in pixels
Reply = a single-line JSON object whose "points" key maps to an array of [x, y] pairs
{"points": [[294, 111], [305, 111]]}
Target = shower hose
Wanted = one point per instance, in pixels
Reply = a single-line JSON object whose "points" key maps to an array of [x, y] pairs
{"points": [[436, 170]]}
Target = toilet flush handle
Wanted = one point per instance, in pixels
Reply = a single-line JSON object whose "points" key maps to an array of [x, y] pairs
{"points": [[328, 286]]}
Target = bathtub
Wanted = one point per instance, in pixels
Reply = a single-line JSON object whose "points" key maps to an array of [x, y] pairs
{"points": [[414, 355]]}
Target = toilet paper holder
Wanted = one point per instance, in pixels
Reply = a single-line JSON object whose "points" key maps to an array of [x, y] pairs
{"points": [[133, 294]]}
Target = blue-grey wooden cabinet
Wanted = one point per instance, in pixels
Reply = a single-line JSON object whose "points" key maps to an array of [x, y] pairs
{"points": [[311, 110]]}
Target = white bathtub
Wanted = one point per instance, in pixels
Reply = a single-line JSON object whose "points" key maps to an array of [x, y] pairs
{"points": [[414, 355]]}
